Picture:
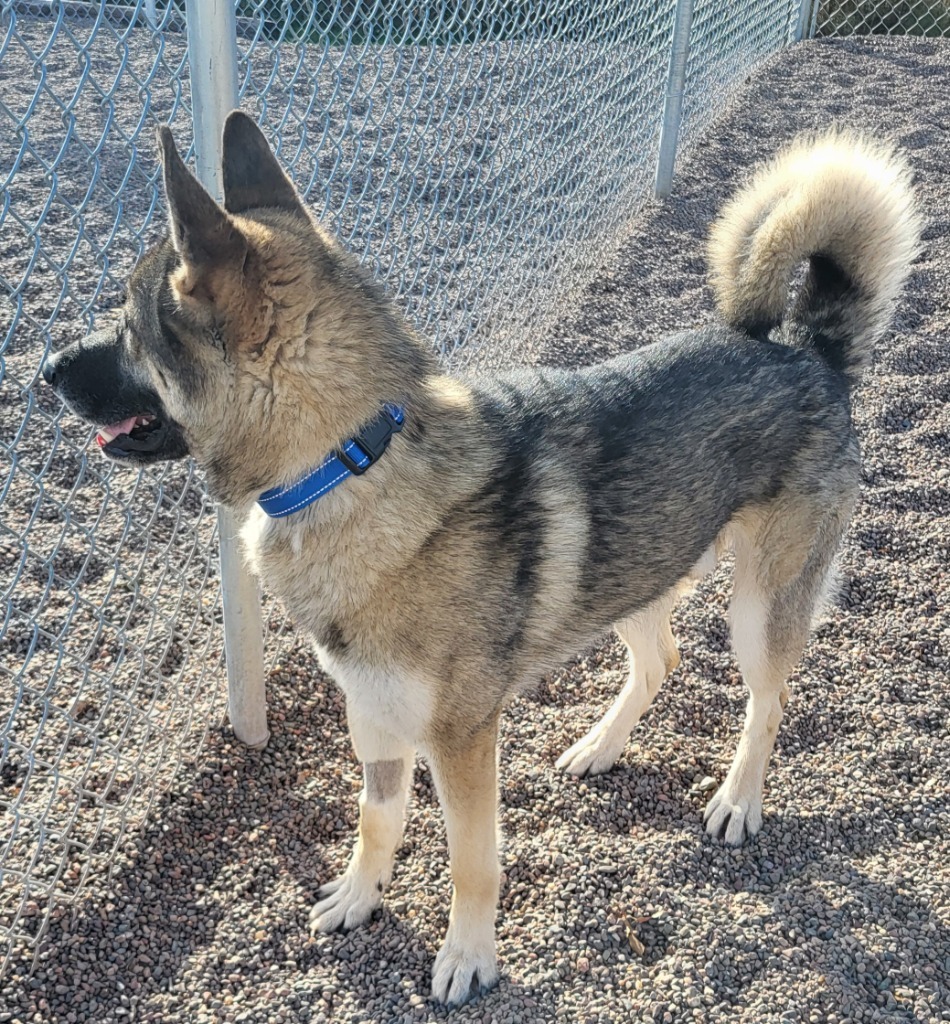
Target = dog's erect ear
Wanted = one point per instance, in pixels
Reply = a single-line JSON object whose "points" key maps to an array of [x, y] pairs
{"points": [[252, 176], [202, 232]]}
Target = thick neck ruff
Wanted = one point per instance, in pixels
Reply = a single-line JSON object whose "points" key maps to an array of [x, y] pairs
{"points": [[353, 459]]}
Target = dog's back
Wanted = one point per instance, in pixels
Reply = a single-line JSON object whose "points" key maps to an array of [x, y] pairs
{"points": [[665, 446]]}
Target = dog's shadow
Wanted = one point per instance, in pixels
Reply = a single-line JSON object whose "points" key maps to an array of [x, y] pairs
{"points": [[232, 833], [831, 917]]}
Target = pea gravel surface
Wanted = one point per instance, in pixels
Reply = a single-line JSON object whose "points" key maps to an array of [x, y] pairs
{"points": [[615, 905]]}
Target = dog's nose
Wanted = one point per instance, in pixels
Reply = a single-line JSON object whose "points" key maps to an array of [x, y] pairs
{"points": [[49, 371]]}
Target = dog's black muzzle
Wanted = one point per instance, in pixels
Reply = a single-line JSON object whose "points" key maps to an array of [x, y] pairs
{"points": [[93, 379]]}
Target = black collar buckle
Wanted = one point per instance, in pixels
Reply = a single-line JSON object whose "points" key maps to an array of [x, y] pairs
{"points": [[373, 440]]}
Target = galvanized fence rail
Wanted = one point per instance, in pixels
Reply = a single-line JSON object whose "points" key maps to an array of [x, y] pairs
{"points": [[484, 158]]}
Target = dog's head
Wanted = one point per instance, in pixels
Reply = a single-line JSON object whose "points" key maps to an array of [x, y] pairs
{"points": [[248, 338]]}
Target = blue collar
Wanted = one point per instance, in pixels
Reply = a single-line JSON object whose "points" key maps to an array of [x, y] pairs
{"points": [[353, 459]]}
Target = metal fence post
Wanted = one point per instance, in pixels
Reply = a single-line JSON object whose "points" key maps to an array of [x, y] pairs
{"points": [[673, 104], [212, 57], [805, 22]]}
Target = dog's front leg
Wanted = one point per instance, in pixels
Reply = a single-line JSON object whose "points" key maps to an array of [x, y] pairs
{"points": [[349, 900], [466, 777]]}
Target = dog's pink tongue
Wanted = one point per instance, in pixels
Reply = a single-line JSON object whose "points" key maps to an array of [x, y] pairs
{"points": [[110, 433]]}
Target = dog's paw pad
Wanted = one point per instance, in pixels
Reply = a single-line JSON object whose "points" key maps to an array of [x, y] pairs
{"points": [[592, 754], [461, 972], [732, 816], [347, 902]]}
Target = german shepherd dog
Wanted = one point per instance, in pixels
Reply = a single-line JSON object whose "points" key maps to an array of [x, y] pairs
{"points": [[445, 542]]}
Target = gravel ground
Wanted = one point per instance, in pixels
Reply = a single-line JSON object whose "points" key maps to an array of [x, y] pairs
{"points": [[615, 906]]}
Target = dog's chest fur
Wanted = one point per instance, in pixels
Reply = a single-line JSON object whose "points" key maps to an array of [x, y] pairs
{"points": [[332, 583]]}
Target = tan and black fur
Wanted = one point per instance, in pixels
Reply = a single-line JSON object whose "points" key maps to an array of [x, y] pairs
{"points": [[518, 516]]}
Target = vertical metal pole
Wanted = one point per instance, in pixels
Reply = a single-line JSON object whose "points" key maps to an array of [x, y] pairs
{"points": [[673, 105], [804, 27], [212, 56]]}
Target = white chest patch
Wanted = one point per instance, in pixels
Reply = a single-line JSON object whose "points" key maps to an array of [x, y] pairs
{"points": [[394, 701]]}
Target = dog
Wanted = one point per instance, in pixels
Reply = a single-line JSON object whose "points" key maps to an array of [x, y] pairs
{"points": [[444, 541]]}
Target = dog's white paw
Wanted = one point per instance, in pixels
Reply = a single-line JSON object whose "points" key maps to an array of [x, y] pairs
{"points": [[734, 814], [592, 754], [463, 970], [347, 902]]}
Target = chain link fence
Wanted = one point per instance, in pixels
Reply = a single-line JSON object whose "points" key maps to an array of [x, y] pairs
{"points": [[476, 157], [880, 17], [110, 612], [483, 158], [726, 42]]}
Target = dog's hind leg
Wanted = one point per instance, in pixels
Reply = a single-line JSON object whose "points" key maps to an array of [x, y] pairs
{"points": [[782, 563], [653, 655], [349, 900]]}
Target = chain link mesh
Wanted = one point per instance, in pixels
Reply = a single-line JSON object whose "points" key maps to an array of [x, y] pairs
{"points": [[109, 612], [726, 42], [483, 158], [882, 17], [479, 157]]}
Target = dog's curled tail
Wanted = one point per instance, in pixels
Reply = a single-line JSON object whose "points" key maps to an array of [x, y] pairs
{"points": [[846, 205]]}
